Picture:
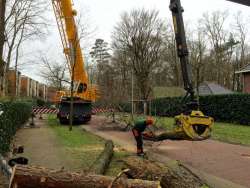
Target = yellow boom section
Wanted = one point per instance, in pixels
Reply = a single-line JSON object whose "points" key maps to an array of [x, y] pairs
{"points": [[71, 43]]}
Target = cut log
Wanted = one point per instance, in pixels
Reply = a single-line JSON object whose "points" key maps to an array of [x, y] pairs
{"points": [[37, 177], [177, 177], [172, 136], [102, 162]]}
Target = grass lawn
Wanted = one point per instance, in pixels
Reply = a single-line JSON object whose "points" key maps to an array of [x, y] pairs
{"points": [[226, 132], [232, 133], [85, 147]]}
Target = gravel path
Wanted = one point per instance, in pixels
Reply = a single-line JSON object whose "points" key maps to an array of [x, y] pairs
{"points": [[42, 148]]}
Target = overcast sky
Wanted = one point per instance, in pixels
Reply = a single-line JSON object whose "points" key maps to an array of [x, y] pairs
{"points": [[104, 14]]}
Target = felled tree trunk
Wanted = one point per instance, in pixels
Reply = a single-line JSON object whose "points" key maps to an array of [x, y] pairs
{"points": [[177, 177], [171, 136], [37, 177], [102, 162]]}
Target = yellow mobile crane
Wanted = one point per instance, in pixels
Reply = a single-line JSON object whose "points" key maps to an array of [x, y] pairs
{"points": [[192, 121], [83, 93]]}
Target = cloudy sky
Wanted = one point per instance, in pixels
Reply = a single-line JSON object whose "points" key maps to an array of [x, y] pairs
{"points": [[104, 14]]}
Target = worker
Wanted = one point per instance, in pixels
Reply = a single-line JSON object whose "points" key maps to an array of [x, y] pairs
{"points": [[137, 130]]}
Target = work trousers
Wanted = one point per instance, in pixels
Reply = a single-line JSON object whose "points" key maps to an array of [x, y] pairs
{"points": [[138, 138]]}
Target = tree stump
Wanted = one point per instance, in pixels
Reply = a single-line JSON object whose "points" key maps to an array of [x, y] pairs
{"points": [[177, 177]]}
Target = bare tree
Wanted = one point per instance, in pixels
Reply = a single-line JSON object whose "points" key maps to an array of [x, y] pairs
{"points": [[171, 66], [139, 36], [241, 32], [214, 28], [2, 40], [54, 73], [198, 49], [23, 21], [101, 55]]}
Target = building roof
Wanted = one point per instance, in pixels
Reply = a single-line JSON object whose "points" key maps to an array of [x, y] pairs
{"points": [[209, 88], [244, 70]]}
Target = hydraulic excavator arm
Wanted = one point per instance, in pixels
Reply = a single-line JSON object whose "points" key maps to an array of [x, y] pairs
{"points": [[181, 45], [191, 123]]}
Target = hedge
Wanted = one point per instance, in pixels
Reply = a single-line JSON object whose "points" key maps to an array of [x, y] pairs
{"points": [[233, 108], [15, 114]]}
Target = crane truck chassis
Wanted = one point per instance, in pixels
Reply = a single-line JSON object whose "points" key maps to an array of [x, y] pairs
{"points": [[82, 110]]}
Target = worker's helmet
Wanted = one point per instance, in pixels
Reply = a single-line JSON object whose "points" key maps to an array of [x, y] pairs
{"points": [[150, 121]]}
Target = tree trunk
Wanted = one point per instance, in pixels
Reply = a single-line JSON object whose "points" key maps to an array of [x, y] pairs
{"points": [[2, 41], [37, 177], [102, 162], [176, 176], [2, 28], [145, 107]]}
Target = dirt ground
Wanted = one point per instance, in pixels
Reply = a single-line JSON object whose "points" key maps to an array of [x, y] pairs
{"points": [[228, 161]]}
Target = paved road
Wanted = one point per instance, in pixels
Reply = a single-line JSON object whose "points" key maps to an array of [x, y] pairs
{"points": [[228, 161], [221, 159]]}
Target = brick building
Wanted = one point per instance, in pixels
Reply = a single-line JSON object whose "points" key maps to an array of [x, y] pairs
{"points": [[14, 83], [24, 86], [43, 90], [246, 78], [27, 87]]}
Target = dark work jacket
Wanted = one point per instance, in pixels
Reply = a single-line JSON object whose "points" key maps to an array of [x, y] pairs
{"points": [[140, 125]]}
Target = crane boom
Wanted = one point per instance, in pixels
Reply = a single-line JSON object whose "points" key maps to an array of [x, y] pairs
{"points": [[64, 14]]}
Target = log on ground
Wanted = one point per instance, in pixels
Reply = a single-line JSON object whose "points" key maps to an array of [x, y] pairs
{"points": [[174, 177], [171, 136], [103, 161], [38, 177]]}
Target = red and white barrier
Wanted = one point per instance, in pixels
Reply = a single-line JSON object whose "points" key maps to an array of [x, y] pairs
{"points": [[44, 111], [55, 111], [102, 110]]}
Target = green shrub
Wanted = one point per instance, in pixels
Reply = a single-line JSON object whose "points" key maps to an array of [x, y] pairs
{"points": [[14, 115], [233, 108]]}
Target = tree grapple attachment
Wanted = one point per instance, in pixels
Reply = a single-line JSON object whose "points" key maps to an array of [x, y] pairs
{"points": [[195, 126]]}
